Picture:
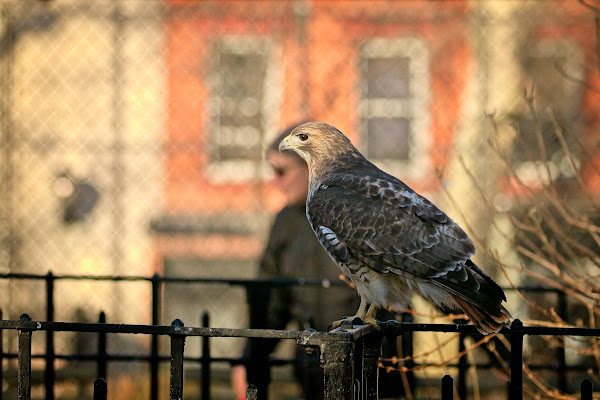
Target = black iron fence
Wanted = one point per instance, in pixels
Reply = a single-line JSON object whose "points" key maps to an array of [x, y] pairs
{"points": [[350, 357]]}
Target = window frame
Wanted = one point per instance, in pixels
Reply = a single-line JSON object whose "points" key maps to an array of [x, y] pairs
{"points": [[242, 169], [415, 107], [533, 172]]}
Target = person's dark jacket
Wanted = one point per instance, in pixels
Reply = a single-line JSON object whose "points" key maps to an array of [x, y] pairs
{"points": [[293, 251]]}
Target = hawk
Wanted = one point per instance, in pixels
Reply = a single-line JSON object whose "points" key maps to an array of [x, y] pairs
{"points": [[389, 240]]}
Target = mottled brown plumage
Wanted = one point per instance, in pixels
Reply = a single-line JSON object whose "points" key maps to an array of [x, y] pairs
{"points": [[386, 238]]}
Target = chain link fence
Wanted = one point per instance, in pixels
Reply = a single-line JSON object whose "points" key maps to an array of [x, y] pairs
{"points": [[133, 132]]}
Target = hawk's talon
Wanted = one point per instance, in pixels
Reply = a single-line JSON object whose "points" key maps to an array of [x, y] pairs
{"points": [[350, 322], [345, 322], [336, 324], [373, 322]]}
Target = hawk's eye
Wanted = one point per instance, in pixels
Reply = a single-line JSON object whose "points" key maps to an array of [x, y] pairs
{"points": [[303, 136]]}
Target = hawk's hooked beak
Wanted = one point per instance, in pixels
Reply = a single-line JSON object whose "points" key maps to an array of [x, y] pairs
{"points": [[284, 144]]}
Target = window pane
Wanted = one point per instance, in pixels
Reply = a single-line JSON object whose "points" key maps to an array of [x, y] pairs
{"points": [[527, 148], [552, 92], [243, 75], [387, 77], [388, 138], [238, 141], [238, 134], [549, 85]]}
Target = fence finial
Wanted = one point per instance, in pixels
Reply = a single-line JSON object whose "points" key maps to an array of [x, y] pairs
{"points": [[100, 389], [25, 317], [252, 393], [447, 387], [586, 389]]}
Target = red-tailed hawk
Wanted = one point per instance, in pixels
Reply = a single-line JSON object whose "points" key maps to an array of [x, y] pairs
{"points": [[389, 240]]}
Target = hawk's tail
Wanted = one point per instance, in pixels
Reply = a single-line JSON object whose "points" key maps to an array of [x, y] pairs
{"points": [[486, 321], [480, 298]]}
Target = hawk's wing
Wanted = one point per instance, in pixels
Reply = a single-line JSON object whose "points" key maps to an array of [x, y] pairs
{"points": [[378, 221]]}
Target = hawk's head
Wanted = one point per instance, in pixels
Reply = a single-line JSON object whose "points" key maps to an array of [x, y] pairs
{"points": [[316, 143]]}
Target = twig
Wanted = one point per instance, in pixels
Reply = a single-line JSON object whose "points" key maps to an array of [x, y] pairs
{"points": [[530, 100], [458, 355], [560, 132], [579, 81], [522, 295], [439, 346]]}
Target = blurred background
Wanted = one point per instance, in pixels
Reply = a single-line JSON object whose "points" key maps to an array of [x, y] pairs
{"points": [[133, 135]]}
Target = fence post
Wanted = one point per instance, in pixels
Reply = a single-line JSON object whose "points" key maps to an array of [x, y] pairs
{"points": [[154, 359], [102, 357], [205, 360], [100, 389], [49, 373], [561, 350], [337, 359], [176, 379], [371, 350], [408, 352], [252, 393], [1, 359], [448, 388], [24, 361], [586, 389], [463, 366], [516, 361]]}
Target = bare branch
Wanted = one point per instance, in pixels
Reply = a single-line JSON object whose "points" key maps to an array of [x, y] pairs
{"points": [[591, 7]]}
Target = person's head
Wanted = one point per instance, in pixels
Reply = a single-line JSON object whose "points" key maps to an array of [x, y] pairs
{"points": [[290, 171]]}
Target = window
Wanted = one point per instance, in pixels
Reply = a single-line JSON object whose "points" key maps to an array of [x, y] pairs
{"points": [[243, 86], [394, 104], [542, 65]]}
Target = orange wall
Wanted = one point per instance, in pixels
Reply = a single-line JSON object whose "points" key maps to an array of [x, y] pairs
{"points": [[327, 61]]}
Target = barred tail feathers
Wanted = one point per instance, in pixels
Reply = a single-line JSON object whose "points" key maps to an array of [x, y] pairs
{"points": [[487, 321], [475, 294]]}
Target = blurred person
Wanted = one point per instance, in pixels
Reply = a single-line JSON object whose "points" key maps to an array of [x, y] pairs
{"points": [[292, 251]]}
